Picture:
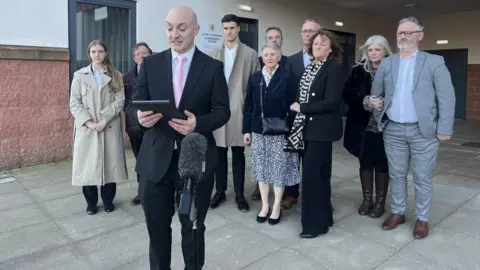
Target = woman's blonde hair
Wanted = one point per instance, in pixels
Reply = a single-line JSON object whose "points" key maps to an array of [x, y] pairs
{"points": [[111, 71], [364, 60]]}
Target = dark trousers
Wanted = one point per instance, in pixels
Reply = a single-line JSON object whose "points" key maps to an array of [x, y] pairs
{"points": [[107, 192], [158, 201], [238, 169], [317, 214], [294, 191], [373, 157], [136, 139]]}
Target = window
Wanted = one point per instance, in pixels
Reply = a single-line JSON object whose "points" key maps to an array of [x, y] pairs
{"points": [[112, 21]]}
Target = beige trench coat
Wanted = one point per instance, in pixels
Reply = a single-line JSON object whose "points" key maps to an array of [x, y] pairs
{"points": [[246, 62], [98, 157]]}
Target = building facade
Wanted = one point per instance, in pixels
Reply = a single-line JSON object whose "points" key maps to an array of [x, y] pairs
{"points": [[48, 43]]}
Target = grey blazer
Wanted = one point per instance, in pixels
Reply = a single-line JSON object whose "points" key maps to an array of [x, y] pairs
{"points": [[433, 92]]}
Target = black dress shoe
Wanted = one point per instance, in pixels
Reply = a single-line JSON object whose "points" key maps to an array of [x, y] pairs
{"points": [[109, 208], [308, 235], [217, 199], [263, 219], [312, 235], [275, 221], [242, 203], [135, 201], [91, 210]]}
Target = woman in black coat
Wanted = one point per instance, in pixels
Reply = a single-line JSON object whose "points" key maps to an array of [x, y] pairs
{"points": [[269, 95], [362, 138], [317, 125]]}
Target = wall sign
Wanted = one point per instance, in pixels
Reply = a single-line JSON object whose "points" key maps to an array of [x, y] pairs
{"points": [[210, 36]]}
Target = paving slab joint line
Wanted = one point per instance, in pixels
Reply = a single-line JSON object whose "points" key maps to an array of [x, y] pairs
{"points": [[266, 256], [433, 226]]}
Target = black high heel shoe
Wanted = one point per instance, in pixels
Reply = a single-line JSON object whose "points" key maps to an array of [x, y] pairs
{"points": [[275, 221], [263, 219]]}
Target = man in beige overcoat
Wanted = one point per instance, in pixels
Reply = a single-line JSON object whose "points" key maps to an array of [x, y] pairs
{"points": [[240, 61]]}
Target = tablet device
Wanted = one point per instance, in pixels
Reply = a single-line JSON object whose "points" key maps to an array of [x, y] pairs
{"points": [[165, 107]]}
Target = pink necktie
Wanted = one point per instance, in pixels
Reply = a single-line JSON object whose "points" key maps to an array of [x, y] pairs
{"points": [[178, 79]]}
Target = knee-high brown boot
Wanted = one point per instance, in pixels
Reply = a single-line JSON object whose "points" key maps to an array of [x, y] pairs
{"points": [[366, 178], [381, 190]]}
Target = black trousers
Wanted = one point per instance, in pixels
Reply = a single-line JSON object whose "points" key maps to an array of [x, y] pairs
{"points": [[107, 192], [317, 214], [238, 169], [136, 139], [158, 201], [373, 157], [294, 191]]}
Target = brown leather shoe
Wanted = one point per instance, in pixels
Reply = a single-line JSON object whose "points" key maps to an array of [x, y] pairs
{"points": [[421, 229], [393, 221], [256, 194], [288, 202]]}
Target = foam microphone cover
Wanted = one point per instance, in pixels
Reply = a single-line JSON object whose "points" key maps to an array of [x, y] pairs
{"points": [[193, 152]]}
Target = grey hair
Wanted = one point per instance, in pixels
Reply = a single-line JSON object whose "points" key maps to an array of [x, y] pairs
{"points": [[274, 28], [310, 20], [414, 20], [273, 46], [364, 60]]}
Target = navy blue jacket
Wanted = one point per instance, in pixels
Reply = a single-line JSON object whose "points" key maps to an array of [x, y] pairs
{"points": [[277, 98]]}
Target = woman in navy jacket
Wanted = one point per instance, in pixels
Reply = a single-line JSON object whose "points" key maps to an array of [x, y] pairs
{"points": [[270, 163]]}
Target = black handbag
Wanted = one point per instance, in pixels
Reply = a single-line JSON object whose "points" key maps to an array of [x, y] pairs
{"points": [[272, 125]]}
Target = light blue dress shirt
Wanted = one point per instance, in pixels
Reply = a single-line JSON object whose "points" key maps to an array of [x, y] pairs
{"points": [[402, 108], [306, 59], [98, 77]]}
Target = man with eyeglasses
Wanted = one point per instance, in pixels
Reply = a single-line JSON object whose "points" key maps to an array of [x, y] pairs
{"points": [[415, 109], [297, 64]]}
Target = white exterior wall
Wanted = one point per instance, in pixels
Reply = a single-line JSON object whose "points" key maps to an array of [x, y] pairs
{"points": [[287, 14], [42, 23]]}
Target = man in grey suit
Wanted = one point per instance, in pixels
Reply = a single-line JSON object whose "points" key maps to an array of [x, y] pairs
{"points": [[415, 102]]}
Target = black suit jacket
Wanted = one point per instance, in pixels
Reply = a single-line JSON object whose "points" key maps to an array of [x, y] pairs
{"points": [[129, 82], [205, 94], [356, 88], [324, 120], [277, 98], [296, 65]]}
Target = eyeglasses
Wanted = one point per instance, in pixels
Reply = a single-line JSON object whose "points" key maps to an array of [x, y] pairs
{"points": [[308, 31], [407, 33]]}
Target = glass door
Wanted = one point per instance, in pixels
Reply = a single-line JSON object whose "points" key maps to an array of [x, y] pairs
{"points": [[112, 21]]}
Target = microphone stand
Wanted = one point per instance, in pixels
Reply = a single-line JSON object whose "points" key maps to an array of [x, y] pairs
{"points": [[193, 219], [189, 190]]}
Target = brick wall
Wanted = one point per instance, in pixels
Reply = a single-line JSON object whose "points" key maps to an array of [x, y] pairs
{"points": [[473, 92], [35, 122]]}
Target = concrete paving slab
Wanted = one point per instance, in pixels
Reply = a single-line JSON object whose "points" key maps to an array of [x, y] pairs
{"points": [[43, 224]]}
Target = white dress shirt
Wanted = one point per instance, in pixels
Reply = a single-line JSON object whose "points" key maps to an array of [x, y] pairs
{"points": [[229, 60]]}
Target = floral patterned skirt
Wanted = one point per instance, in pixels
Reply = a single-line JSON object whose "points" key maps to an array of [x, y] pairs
{"points": [[270, 164]]}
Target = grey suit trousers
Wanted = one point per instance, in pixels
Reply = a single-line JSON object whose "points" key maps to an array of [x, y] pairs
{"points": [[405, 144]]}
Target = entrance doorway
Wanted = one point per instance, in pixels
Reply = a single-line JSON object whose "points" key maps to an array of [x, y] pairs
{"points": [[456, 61], [249, 32], [346, 41], [112, 21]]}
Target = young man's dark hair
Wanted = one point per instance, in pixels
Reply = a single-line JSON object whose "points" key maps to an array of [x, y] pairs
{"points": [[231, 18]]}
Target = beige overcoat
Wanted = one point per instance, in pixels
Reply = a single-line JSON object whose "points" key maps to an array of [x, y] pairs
{"points": [[246, 62], [98, 157]]}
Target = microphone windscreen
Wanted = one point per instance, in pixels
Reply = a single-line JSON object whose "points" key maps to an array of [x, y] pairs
{"points": [[193, 152]]}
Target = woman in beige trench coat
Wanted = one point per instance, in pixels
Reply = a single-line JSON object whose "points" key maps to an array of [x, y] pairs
{"points": [[96, 100]]}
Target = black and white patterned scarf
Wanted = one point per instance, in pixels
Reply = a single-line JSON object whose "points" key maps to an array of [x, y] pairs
{"points": [[295, 141]]}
